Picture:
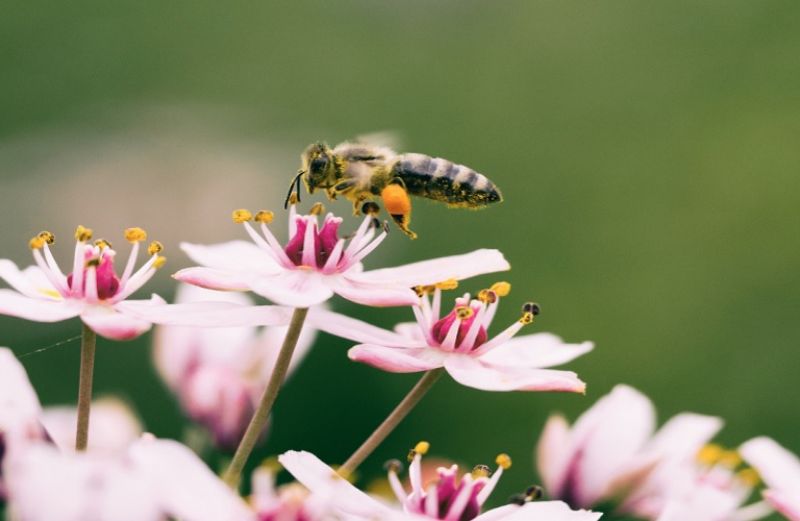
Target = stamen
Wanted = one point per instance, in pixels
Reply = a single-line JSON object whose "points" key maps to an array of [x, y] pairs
{"points": [[730, 459], [710, 454], [102, 244], [446, 285], [393, 465], [503, 460], [487, 296], [317, 209], [36, 243], [241, 216], [48, 237], [749, 477], [159, 263], [534, 492], [155, 247], [501, 288], [464, 312], [370, 208], [135, 234], [83, 234], [264, 216], [518, 499], [293, 199], [420, 448], [529, 310], [481, 471]]}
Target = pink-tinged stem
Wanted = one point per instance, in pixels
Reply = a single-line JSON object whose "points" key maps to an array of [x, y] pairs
{"points": [[257, 424], [88, 344], [392, 421]]}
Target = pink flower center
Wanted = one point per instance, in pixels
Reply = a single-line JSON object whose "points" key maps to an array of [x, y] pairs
{"points": [[468, 315], [324, 242], [107, 280]]}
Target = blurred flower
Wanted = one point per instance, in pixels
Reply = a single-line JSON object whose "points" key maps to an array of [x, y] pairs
{"points": [[92, 291], [780, 470], [450, 498], [459, 342], [219, 374], [316, 263], [290, 502], [612, 455], [113, 427]]}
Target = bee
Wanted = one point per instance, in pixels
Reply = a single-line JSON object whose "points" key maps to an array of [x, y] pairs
{"points": [[361, 172]]}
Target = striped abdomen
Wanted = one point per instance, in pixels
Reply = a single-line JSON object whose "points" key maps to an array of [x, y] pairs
{"points": [[445, 181]]}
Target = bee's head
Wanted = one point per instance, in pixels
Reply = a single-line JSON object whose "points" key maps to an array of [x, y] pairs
{"points": [[319, 166]]}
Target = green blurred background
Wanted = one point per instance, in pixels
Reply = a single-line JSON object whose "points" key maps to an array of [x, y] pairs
{"points": [[647, 151]]}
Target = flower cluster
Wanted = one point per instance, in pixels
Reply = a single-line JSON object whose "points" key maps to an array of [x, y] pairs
{"points": [[225, 358]]}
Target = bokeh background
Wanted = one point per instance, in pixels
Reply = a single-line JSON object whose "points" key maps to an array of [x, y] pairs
{"points": [[647, 151]]}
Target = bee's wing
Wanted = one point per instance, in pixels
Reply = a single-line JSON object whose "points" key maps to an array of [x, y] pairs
{"points": [[382, 138]]}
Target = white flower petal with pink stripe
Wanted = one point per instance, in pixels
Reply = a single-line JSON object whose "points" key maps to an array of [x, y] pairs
{"points": [[780, 471]]}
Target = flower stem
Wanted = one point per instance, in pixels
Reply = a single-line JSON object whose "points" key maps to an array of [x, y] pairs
{"points": [[88, 344], [393, 420], [259, 421]]}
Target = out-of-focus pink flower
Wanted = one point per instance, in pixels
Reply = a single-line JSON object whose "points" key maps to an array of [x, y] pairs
{"points": [[316, 264], [289, 502], [219, 374], [459, 342], [780, 470], [114, 426], [449, 499], [93, 290]]}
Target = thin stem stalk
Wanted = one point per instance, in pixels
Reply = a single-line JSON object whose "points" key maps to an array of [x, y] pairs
{"points": [[393, 420], [88, 345], [257, 424]]}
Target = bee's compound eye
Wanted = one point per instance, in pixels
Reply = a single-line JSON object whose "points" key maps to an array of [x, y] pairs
{"points": [[319, 163]]}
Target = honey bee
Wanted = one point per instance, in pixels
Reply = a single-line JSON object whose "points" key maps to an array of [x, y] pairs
{"points": [[360, 172]]}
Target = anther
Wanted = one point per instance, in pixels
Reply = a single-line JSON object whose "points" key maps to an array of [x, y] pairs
{"points": [[710, 454], [534, 492], [264, 216], [159, 262], [48, 237], [155, 247], [730, 459], [83, 234], [464, 312], [422, 447], [503, 460], [501, 288], [518, 499], [95, 262], [481, 471], [37, 243], [532, 307], [749, 477], [447, 285], [317, 209], [241, 216], [293, 199], [135, 234], [102, 244], [370, 208], [420, 291], [393, 465], [487, 296]]}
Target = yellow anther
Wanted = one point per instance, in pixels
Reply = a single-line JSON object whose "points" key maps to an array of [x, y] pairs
{"points": [[135, 234], [83, 234], [37, 243], [264, 216], [749, 477], [293, 199], [155, 247], [48, 237], [241, 216], [159, 262], [481, 471], [710, 454], [526, 318], [446, 285], [422, 447], [102, 244], [420, 291], [317, 209], [730, 459], [271, 464], [93, 263], [464, 312], [487, 296], [501, 288], [503, 460]]}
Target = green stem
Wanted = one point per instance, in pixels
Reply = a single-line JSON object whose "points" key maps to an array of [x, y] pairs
{"points": [[393, 420], [88, 345], [259, 421]]}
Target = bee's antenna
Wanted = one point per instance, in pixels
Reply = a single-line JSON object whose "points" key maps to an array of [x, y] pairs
{"points": [[294, 186]]}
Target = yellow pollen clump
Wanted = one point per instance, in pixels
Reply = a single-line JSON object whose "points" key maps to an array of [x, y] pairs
{"points": [[730, 459], [48, 237], [710, 454], [159, 263], [264, 216], [83, 234], [317, 209], [464, 312], [481, 471], [487, 296], [422, 447], [749, 477], [102, 244], [155, 247], [503, 460], [241, 216], [446, 285], [526, 318], [135, 234], [37, 243], [501, 288]]}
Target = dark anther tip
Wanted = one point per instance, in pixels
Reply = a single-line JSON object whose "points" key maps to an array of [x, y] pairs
{"points": [[532, 307]]}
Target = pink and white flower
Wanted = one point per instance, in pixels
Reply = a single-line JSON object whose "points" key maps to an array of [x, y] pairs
{"points": [[780, 470], [451, 498], [219, 374], [316, 263], [92, 290], [289, 502], [460, 343]]}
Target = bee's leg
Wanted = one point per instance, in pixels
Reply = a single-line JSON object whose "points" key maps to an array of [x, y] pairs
{"points": [[398, 204]]}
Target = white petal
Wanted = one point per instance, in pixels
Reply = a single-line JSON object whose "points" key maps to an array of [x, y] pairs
{"points": [[553, 453], [294, 288], [19, 405], [112, 429], [113, 323], [537, 350], [539, 510], [37, 309], [232, 256], [31, 281], [358, 331], [206, 314], [777, 466], [473, 372]]}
